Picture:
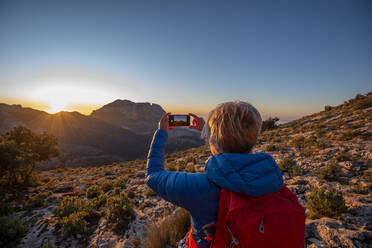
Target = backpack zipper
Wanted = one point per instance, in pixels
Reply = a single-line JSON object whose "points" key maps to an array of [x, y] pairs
{"points": [[261, 227]]}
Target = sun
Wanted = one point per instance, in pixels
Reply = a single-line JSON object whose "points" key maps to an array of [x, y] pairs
{"points": [[55, 107], [64, 96]]}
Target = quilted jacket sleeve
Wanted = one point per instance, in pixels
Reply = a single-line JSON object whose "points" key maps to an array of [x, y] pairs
{"points": [[181, 188]]}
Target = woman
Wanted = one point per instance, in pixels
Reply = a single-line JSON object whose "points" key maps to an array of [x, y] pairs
{"points": [[231, 132]]}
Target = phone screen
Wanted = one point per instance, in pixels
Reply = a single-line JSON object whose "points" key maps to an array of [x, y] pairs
{"points": [[179, 120]]}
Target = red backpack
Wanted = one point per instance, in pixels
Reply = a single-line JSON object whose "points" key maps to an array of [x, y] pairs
{"points": [[272, 220]]}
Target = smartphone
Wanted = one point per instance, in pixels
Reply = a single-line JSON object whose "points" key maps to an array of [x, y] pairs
{"points": [[179, 120]]}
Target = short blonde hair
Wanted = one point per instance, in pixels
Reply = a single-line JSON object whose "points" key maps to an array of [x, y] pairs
{"points": [[233, 127]]}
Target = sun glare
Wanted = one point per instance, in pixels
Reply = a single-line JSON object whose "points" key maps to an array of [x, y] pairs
{"points": [[62, 97], [55, 107]]}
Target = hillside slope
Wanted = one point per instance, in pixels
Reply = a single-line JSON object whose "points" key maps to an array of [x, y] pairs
{"points": [[328, 150]]}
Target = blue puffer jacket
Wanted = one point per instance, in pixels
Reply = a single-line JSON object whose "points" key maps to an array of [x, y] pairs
{"points": [[249, 174]]}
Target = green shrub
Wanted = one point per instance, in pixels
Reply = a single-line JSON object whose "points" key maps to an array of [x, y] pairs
{"points": [[172, 167], [286, 164], [11, 230], [121, 182], [327, 108], [99, 202], [107, 185], [130, 193], [342, 156], [367, 175], [190, 168], [298, 141], [73, 213], [116, 191], [330, 172], [120, 209], [290, 166], [269, 124], [181, 165], [169, 231], [361, 189], [270, 148], [75, 223], [94, 191], [71, 204], [5, 208], [321, 203]]}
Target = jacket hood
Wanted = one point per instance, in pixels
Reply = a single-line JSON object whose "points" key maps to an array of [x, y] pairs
{"points": [[248, 174]]}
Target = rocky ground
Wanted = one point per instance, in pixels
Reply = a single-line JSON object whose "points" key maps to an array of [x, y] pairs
{"points": [[331, 149]]}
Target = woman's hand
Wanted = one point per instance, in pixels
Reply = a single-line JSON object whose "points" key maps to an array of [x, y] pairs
{"points": [[164, 123], [197, 122]]}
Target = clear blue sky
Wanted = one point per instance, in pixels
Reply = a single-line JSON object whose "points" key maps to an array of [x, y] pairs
{"points": [[289, 58]]}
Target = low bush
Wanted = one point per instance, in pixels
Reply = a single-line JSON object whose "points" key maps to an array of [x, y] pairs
{"points": [[121, 182], [73, 214], [169, 232], [322, 203], [361, 189], [367, 175], [330, 172], [327, 108], [99, 202], [94, 191], [107, 185], [147, 204], [71, 204], [298, 141], [190, 168], [290, 166], [130, 193], [181, 165], [120, 210], [171, 167], [270, 148], [75, 223], [342, 156], [5, 208], [11, 230], [269, 124]]}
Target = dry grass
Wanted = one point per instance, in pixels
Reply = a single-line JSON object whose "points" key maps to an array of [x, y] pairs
{"points": [[169, 231]]}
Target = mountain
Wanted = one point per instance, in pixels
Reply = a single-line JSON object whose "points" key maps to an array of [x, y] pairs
{"points": [[137, 117], [330, 150], [143, 118], [119, 131]]}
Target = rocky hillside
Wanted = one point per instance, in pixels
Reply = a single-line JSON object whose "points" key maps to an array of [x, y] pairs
{"points": [[326, 159]]}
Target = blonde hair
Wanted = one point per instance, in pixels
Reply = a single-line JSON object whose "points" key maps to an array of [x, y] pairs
{"points": [[233, 127]]}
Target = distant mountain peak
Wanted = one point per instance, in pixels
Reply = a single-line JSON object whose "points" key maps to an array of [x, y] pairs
{"points": [[123, 103], [140, 117]]}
